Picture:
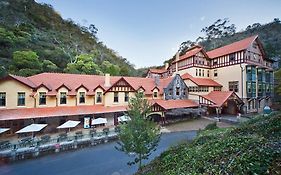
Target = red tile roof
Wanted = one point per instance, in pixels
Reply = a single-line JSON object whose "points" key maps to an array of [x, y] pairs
{"points": [[201, 81], [190, 52], [173, 104], [23, 80], [233, 47], [158, 71], [218, 97], [72, 81], [28, 113]]}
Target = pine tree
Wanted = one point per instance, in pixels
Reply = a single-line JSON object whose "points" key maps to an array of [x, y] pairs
{"points": [[140, 135]]}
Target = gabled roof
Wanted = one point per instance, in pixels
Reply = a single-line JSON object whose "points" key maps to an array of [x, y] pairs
{"points": [[53, 81], [233, 47], [64, 85], [121, 79], [219, 97], [82, 86], [22, 80], [44, 85], [158, 71], [173, 104], [201, 81], [191, 52]]}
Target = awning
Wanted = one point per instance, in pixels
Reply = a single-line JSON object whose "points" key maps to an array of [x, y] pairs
{"points": [[99, 121], [69, 124], [2, 130], [32, 128], [123, 118]]}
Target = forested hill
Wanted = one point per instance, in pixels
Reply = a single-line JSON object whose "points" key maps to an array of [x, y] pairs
{"points": [[34, 38]]}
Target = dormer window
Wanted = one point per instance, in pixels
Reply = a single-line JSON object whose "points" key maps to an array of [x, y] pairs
{"points": [[63, 98], [81, 97], [155, 94], [99, 97], [42, 98]]}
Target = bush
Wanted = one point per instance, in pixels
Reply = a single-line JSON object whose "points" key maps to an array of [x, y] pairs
{"points": [[211, 126], [251, 148]]}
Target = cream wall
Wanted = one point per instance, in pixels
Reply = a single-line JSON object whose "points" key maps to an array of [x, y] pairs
{"points": [[12, 87], [109, 99], [193, 96], [230, 73]]}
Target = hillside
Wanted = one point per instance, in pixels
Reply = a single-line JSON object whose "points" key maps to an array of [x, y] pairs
{"points": [[54, 44], [253, 147]]}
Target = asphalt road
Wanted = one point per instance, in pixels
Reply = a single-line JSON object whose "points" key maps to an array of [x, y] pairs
{"points": [[99, 160]]}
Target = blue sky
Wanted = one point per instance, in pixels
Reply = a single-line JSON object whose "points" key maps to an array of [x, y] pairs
{"points": [[147, 32]]}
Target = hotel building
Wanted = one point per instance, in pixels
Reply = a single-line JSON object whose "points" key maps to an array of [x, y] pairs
{"points": [[234, 78]]}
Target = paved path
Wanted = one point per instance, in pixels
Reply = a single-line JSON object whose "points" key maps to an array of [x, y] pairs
{"points": [[191, 125], [100, 160]]}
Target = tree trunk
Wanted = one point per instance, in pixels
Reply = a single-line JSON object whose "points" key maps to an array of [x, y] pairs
{"points": [[140, 157]]}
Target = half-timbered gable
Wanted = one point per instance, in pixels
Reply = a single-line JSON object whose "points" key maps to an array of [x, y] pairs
{"points": [[121, 86]]}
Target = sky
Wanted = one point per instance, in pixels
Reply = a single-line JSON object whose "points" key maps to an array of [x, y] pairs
{"points": [[148, 32]]}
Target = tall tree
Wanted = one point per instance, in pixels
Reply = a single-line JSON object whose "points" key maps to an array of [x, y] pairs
{"points": [[140, 135], [219, 29], [25, 63]]}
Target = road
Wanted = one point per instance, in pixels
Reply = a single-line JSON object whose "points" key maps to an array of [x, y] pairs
{"points": [[99, 160]]}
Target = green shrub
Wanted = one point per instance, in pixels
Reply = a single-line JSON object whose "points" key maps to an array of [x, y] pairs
{"points": [[251, 148]]}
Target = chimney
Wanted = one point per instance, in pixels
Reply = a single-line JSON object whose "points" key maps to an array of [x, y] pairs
{"points": [[177, 56], [107, 80], [166, 66], [157, 80]]}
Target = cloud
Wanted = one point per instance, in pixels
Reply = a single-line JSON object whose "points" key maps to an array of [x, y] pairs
{"points": [[202, 18]]}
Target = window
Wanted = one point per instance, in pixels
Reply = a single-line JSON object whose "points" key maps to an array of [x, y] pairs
{"points": [[215, 62], [203, 74], [126, 98], [99, 97], [81, 97], [155, 94], [170, 91], [115, 100], [217, 88], [42, 98], [232, 57], [63, 98], [215, 73], [233, 86], [196, 72], [177, 91], [200, 72], [21, 98], [2, 98], [208, 73], [184, 91]]}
